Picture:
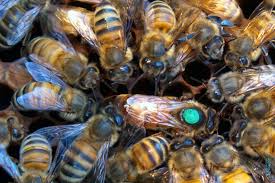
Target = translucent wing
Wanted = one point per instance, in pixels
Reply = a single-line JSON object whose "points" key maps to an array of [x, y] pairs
{"points": [[152, 110], [5, 5], [42, 99], [160, 175], [61, 136], [83, 26], [8, 165], [53, 29], [98, 172], [257, 78], [261, 7], [42, 74], [24, 25], [261, 28]]}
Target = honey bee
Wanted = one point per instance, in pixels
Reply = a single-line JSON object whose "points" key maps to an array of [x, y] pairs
{"points": [[259, 106], [14, 75], [223, 161], [207, 31], [186, 162], [70, 103], [256, 138], [16, 17], [12, 130], [84, 147], [72, 68], [234, 86], [107, 33], [35, 158], [157, 113], [142, 157], [250, 37], [225, 9]]}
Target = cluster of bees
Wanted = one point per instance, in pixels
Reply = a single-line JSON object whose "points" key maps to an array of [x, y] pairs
{"points": [[115, 136]]}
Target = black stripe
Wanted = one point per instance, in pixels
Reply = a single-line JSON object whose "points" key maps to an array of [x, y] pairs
{"points": [[164, 144], [36, 141], [153, 6], [158, 148], [107, 20], [109, 29], [163, 12], [73, 163], [148, 152], [82, 154], [105, 10], [70, 174], [35, 151]]}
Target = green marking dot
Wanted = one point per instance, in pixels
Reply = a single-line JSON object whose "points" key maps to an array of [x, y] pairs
{"points": [[191, 116]]}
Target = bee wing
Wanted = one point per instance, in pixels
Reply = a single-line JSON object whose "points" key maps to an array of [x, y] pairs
{"points": [[53, 29], [42, 74], [42, 99], [152, 110], [82, 25], [98, 171], [61, 136], [23, 26], [8, 165], [185, 53], [261, 7], [5, 5], [257, 79]]}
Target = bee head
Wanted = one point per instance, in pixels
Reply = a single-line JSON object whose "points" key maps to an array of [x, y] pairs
{"points": [[73, 70], [214, 48], [115, 56], [151, 67], [214, 90], [121, 74], [90, 78], [235, 60], [102, 127]]}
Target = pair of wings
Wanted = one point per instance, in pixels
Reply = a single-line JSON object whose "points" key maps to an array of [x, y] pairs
{"points": [[83, 25], [24, 22], [154, 110], [255, 78]]}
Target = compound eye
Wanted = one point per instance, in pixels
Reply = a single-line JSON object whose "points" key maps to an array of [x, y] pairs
{"points": [[192, 116], [244, 61], [16, 134], [119, 120], [206, 148], [186, 143]]}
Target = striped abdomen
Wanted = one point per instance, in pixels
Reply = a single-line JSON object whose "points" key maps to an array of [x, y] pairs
{"points": [[160, 16], [78, 161], [44, 96], [108, 25], [149, 153], [49, 50], [238, 175], [35, 153]]}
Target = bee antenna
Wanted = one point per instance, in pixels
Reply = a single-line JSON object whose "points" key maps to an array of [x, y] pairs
{"points": [[267, 58], [156, 84], [218, 71], [186, 38], [130, 88], [223, 108]]}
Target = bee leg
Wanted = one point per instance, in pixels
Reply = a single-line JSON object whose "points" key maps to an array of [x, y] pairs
{"points": [[131, 86], [272, 44], [267, 58]]}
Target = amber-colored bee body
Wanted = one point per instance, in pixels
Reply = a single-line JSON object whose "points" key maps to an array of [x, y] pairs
{"points": [[71, 103], [156, 46], [259, 106], [251, 36], [142, 157], [186, 164], [35, 158], [83, 153], [234, 86], [258, 140], [14, 75], [223, 161], [156, 113], [225, 9], [17, 21], [54, 53]]}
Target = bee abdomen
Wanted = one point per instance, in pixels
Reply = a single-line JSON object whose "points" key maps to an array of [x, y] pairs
{"points": [[78, 162], [160, 16], [35, 153], [150, 153], [108, 25]]}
